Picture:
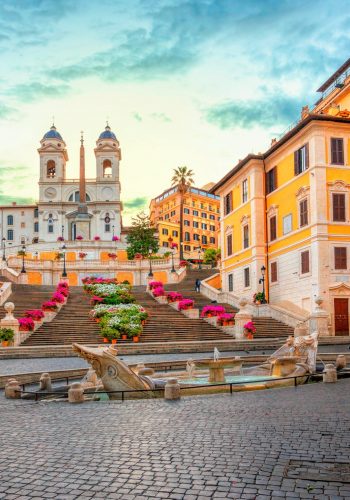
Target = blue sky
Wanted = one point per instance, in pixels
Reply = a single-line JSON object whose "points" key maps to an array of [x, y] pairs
{"points": [[183, 82]]}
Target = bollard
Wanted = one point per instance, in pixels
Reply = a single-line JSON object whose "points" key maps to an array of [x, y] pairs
{"points": [[340, 362], [12, 389], [76, 393], [45, 382], [330, 374], [172, 389]]}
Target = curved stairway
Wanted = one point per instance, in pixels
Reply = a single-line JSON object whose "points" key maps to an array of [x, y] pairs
{"points": [[265, 327]]}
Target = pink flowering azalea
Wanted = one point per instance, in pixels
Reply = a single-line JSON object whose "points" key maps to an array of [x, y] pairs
{"points": [[185, 304], [79, 238], [63, 291], [49, 305], [26, 324], [60, 238], [58, 297], [97, 238], [115, 238], [35, 314], [250, 327], [158, 291], [62, 284], [155, 284], [95, 299], [226, 317], [212, 310], [174, 296]]}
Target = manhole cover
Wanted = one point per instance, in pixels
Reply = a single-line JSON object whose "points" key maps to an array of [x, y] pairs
{"points": [[318, 471]]}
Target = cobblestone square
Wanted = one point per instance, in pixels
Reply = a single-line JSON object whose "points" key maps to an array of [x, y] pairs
{"points": [[198, 448]]}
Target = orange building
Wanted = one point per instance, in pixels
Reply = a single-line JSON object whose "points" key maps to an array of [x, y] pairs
{"points": [[200, 220]]}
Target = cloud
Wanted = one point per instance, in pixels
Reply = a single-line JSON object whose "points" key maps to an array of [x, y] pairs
{"points": [[18, 176], [6, 111], [136, 203], [265, 112], [137, 117], [161, 117], [35, 90]]}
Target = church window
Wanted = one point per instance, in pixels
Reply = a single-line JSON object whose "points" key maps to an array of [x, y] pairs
{"points": [[10, 234], [36, 227], [50, 228], [107, 168], [107, 228], [51, 169], [10, 220], [75, 197]]}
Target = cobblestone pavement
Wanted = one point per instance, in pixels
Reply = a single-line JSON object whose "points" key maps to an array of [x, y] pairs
{"points": [[11, 366], [217, 446]]}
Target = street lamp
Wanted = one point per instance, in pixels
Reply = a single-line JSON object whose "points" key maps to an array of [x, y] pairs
{"points": [[262, 281], [23, 270], [64, 274], [172, 250], [62, 232], [199, 258], [150, 274], [112, 233], [4, 249]]}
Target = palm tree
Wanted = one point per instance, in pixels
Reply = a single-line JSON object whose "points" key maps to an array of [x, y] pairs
{"points": [[183, 179]]}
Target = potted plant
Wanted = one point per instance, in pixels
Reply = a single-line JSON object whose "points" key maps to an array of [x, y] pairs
{"points": [[6, 336], [79, 238], [185, 304], [115, 238], [49, 305], [249, 330], [226, 319], [60, 238], [97, 238], [259, 298], [26, 324], [82, 255], [173, 296]]}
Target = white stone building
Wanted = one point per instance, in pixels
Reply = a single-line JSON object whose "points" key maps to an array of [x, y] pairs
{"points": [[55, 213]]}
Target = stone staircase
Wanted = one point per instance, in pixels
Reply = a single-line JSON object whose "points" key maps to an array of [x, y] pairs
{"points": [[266, 327], [27, 297], [72, 324]]}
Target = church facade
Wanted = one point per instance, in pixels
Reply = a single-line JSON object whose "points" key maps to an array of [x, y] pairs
{"points": [[57, 212]]}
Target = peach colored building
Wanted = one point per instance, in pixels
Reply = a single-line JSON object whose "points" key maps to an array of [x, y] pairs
{"points": [[201, 216]]}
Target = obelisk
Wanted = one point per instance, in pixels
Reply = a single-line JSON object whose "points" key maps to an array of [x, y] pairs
{"points": [[82, 220]]}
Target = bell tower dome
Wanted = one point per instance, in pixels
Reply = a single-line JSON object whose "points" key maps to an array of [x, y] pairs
{"points": [[108, 155], [53, 157]]}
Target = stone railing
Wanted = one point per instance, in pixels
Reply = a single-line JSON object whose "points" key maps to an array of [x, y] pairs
{"points": [[290, 318], [5, 292]]}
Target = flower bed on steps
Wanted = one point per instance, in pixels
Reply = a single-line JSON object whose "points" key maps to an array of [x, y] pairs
{"points": [[115, 310]]}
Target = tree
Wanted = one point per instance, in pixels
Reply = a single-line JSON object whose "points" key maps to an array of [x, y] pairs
{"points": [[183, 179], [141, 237], [211, 255]]}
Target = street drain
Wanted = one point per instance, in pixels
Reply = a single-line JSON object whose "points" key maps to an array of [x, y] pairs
{"points": [[318, 471]]}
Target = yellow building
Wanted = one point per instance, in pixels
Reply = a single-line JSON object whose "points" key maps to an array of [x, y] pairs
{"points": [[200, 220], [288, 211]]}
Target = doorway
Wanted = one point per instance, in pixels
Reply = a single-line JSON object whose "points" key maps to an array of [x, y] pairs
{"points": [[341, 316]]}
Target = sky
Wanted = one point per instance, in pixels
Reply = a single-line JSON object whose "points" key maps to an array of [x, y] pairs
{"points": [[200, 83]]}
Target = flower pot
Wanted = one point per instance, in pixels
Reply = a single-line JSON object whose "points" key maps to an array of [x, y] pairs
{"points": [[124, 336], [209, 315], [105, 340], [5, 343], [135, 338], [114, 341], [98, 320], [143, 322], [257, 302]]}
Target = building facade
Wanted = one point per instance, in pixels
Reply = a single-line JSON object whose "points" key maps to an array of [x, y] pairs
{"points": [[288, 211], [55, 213], [200, 220]]}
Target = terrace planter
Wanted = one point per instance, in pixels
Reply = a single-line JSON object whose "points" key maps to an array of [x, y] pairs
{"points": [[213, 320], [4, 343], [124, 336], [49, 315], [162, 299], [191, 313], [135, 338], [105, 340], [37, 324], [229, 329], [114, 341], [175, 305]]}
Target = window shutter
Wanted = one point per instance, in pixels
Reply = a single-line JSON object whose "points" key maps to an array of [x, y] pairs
{"points": [[307, 155], [296, 172], [340, 258], [305, 262], [273, 228], [273, 272]]}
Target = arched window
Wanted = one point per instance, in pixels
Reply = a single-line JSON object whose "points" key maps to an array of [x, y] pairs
{"points": [[75, 197], [107, 168], [51, 169]]}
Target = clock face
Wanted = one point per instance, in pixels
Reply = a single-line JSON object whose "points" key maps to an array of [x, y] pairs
{"points": [[50, 192]]}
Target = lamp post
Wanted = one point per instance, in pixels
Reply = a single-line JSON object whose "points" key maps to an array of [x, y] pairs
{"points": [[4, 249], [262, 281], [172, 250], [112, 233], [150, 274], [199, 258], [64, 273], [23, 270], [62, 234]]}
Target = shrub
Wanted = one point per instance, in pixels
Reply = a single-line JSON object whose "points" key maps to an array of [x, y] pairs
{"points": [[26, 324], [6, 334], [185, 304], [58, 297], [155, 284], [158, 291], [213, 310], [49, 305], [35, 314]]}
